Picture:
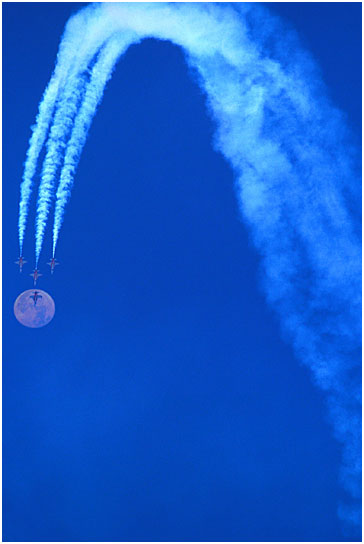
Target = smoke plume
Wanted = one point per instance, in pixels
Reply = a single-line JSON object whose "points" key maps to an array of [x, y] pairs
{"points": [[296, 170]]}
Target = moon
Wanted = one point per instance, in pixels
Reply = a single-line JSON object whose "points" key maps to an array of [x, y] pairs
{"points": [[34, 315]]}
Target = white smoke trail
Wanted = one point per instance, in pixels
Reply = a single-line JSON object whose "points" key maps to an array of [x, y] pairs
{"points": [[62, 123], [71, 46], [40, 129], [101, 73], [297, 178], [80, 42]]}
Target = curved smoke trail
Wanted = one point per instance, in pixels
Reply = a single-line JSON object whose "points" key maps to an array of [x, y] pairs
{"points": [[62, 123], [80, 42], [40, 129], [101, 73], [70, 50], [297, 174]]}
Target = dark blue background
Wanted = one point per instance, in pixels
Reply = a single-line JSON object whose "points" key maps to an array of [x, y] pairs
{"points": [[161, 402]]}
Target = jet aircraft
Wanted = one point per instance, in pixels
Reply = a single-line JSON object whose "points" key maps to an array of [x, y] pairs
{"points": [[36, 274], [20, 262], [52, 263], [35, 297]]}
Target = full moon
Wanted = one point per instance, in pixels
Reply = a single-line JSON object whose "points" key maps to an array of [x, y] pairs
{"points": [[31, 313]]}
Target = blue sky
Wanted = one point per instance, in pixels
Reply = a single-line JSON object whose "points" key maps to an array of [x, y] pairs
{"points": [[161, 403]]}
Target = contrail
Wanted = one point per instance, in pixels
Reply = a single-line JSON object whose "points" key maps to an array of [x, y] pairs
{"points": [[297, 177]]}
